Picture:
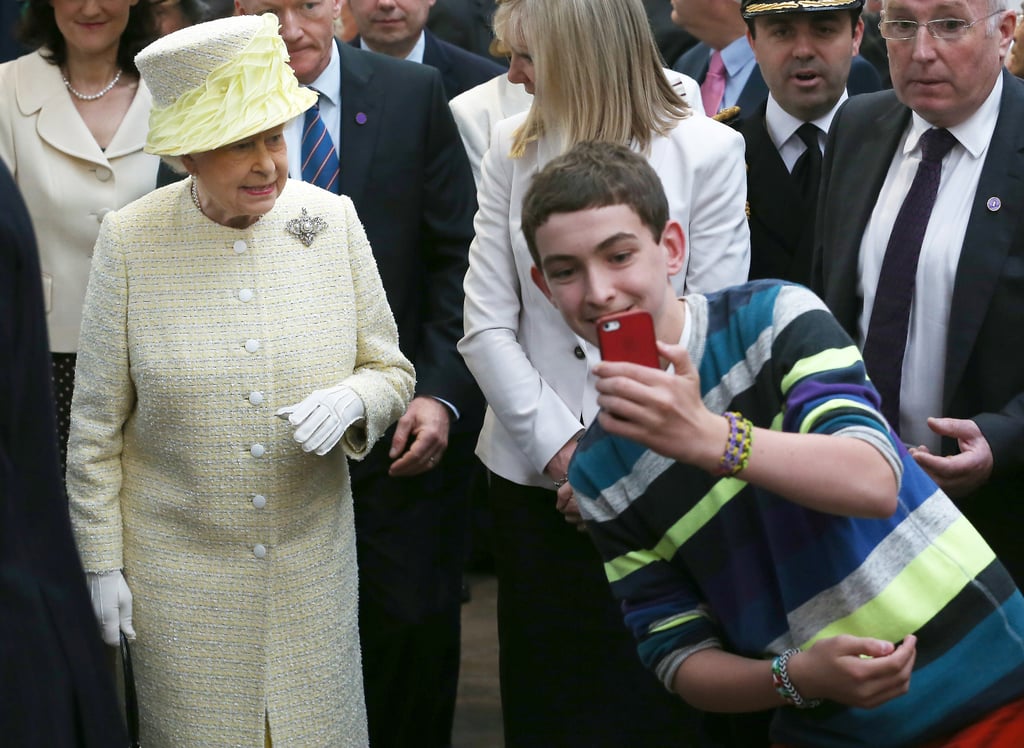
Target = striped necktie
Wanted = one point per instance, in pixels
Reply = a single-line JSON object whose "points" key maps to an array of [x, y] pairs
{"points": [[319, 157]]}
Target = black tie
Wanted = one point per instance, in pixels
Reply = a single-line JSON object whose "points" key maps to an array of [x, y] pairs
{"points": [[807, 169], [886, 340]]}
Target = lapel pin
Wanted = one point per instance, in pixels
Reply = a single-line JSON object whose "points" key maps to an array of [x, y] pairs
{"points": [[994, 204], [361, 118]]}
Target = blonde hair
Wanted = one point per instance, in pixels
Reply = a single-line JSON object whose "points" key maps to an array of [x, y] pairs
{"points": [[598, 72]]}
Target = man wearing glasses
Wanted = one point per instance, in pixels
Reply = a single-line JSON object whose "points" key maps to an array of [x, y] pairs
{"points": [[919, 251]]}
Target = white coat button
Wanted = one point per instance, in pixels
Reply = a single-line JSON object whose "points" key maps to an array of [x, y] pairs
{"points": [[259, 501], [245, 294], [240, 247], [103, 174], [257, 450], [256, 397], [252, 345], [259, 551]]}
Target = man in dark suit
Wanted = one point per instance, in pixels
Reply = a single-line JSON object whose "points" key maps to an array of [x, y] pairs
{"points": [[55, 683], [955, 387], [719, 26], [805, 57], [397, 28], [403, 164]]}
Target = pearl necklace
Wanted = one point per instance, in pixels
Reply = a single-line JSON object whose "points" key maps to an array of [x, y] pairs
{"points": [[195, 196], [91, 97]]}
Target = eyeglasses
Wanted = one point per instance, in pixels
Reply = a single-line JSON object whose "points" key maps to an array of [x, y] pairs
{"points": [[949, 29]]}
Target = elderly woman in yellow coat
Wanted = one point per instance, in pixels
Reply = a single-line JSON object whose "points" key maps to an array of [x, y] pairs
{"points": [[236, 347]]}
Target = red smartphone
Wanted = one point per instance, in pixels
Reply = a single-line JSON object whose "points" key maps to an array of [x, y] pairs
{"points": [[628, 336]]}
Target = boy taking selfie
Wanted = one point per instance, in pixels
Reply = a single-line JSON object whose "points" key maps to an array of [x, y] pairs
{"points": [[771, 542]]}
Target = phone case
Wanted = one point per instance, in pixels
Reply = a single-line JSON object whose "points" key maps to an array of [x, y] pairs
{"points": [[628, 336]]}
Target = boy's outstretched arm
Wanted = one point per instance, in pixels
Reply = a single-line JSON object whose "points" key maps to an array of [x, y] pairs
{"points": [[849, 670], [663, 411]]}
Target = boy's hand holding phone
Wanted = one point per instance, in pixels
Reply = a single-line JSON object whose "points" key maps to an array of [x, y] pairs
{"points": [[662, 410]]}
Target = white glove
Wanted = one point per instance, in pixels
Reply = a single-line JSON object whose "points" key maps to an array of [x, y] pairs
{"points": [[322, 418], [112, 604]]}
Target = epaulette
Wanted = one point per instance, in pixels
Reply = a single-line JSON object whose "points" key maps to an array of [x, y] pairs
{"points": [[728, 116]]}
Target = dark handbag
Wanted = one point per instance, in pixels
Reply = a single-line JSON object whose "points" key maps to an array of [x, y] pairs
{"points": [[131, 703]]}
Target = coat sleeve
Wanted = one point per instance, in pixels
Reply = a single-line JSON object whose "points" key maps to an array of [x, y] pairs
{"points": [[103, 401], [717, 238], [449, 202], [526, 405], [383, 378]]}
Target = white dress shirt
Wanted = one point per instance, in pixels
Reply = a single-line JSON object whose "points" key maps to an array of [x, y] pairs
{"points": [[921, 388], [782, 127]]}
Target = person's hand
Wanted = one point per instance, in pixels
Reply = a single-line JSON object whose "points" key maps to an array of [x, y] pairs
{"points": [[660, 409], [322, 418], [961, 474], [853, 670], [557, 470], [421, 437], [565, 502], [112, 605]]}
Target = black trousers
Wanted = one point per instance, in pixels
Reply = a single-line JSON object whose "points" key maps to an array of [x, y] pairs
{"points": [[411, 538], [570, 674]]}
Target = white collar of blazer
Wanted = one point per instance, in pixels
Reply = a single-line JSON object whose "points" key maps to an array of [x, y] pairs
{"points": [[40, 89]]}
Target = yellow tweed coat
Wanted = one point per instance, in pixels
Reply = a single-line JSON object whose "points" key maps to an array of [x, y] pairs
{"points": [[239, 547]]}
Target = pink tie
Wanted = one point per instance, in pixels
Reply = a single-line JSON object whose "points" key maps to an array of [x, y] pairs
{"points": [[713, 88]]}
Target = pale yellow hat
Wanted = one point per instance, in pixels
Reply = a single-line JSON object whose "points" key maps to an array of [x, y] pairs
{"points": [[219, 82]]}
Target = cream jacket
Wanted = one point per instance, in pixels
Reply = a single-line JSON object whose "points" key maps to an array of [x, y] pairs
{"points": [[239, 547], [532, 369], [68, 183]]}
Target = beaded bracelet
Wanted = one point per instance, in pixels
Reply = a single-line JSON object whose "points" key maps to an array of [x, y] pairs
{"points": [[784, 686], [737, 448]]}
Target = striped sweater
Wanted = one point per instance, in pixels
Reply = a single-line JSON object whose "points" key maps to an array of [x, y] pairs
{"points": [[699, 561]]}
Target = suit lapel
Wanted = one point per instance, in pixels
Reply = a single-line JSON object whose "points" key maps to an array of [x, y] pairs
{"points": [[694, 62], [360, 122], [436, 56], [40, 89], [991, 232], [866, 152], [775, 203]]}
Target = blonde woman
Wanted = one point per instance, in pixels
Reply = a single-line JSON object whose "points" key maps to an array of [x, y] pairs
{"points": [[596, 74]]}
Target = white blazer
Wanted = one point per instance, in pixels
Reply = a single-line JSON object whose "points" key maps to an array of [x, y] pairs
{"points": [[68, 182], [532, 368], [479, 109]]}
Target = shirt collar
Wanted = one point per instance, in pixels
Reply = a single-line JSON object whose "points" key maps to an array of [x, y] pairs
{"points": [[974, 133], [782, 125], [327, 83], [737, 55]]}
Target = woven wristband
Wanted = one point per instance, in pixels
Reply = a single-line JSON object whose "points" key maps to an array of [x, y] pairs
{"points": [[784, 686], [738, 445]]}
